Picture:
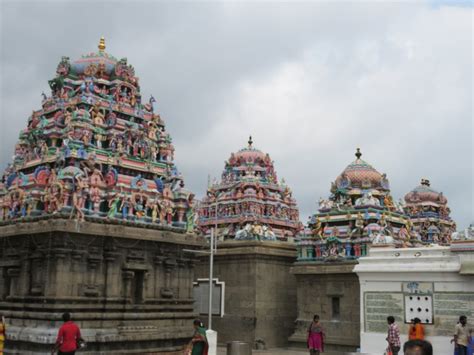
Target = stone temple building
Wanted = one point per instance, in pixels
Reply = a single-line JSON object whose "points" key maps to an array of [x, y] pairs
{"points": [[94, 219], [257, 219], [359, 212]]}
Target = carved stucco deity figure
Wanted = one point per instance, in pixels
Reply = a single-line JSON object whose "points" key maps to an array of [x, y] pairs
{"points": [[114, 204], [359, 226], [55, 197], [332, 250], [367, 200], [403, 234], [268, 233], [98, 117], [317, 230], [382, 239]]}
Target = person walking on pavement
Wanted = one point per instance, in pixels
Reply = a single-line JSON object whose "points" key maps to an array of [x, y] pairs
{"points": [[393, 336], [462, 332], [315, 337], [69, 337], [198, 344]]}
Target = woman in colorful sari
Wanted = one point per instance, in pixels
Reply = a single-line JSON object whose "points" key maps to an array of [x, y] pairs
{"points": [[198, 344], [2, 334], [315, 337]]}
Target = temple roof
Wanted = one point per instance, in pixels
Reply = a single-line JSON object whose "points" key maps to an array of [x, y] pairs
{"points": [[79, 65], [424, 193], [249, 156], [100, 57], [360, 174]]}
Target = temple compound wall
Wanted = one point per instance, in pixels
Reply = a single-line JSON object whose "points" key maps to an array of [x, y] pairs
{"points": [[330, 290], [434, 284], [128, 288], [260, 292]]}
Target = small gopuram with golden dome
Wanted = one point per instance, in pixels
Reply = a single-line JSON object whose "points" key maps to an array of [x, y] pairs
{"points": [[429, 214], [249, 203], [94, 219]]}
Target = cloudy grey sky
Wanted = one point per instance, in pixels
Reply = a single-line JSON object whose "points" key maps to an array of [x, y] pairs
{"points": [[311, 81]]}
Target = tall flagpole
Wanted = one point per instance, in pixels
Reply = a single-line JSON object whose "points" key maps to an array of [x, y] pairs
{"points": [[212, 250], [211, 267]]}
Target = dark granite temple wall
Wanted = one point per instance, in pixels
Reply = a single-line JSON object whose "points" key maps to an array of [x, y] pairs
{"points": [[128, 288], [332, 291], [260, 292]]}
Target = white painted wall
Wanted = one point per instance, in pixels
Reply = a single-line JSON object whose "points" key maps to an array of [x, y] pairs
{"points": [[387, 269], [375, 344]]}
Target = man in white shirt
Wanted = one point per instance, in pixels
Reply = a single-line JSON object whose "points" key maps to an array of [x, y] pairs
{"points": [[461, 336]]}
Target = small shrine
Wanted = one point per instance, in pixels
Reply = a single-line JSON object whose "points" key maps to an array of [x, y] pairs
{"points": [[359, 211], [429, 214], [249, 203], [96, 150]]}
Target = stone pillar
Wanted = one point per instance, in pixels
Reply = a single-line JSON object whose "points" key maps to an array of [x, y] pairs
{"points": [[112, 280], [38, 274], [181, 278], [159, 275], [24, 277], [77, 271], [167, 290], [189, 278], [59, 276], [14, 273], [91, 288], [127, 277]]}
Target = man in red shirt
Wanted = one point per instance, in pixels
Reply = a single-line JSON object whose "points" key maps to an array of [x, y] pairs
{"points": [[68, 337]]}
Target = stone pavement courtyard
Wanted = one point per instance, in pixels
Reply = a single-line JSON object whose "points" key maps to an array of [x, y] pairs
{"points": [[282, 351]]}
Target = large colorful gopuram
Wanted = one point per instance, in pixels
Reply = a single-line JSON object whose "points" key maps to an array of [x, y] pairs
{"points": [[359, 211], [249, 202], [429, 214], [94, 219], [95, 150]]}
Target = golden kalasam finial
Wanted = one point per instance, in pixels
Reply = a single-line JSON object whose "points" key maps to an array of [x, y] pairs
{"points": [[250, 142], [102, 44], [358, 154]]}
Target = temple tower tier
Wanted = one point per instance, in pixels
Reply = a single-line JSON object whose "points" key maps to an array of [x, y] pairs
{"points": [[359, 214], [429, 214], [249, 202]]}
